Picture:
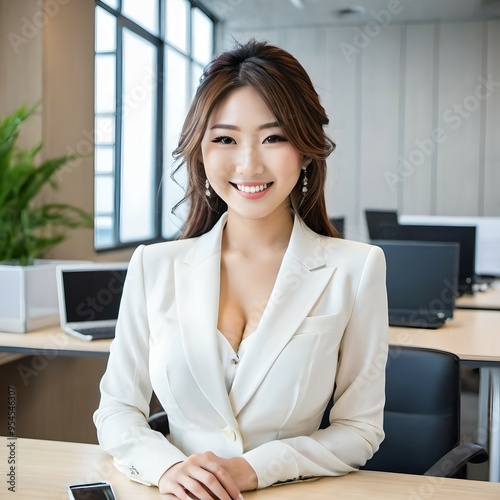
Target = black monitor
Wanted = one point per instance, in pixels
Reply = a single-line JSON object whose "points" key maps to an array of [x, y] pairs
{"points": [[338, 224], [464, 235], [375, 219], [421, 277]]}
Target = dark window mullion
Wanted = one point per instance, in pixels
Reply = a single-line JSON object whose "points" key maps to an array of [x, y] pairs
{"points": [[118, 131], [158, 201], [190, 49], [108, 8], [162, 8], [138, 30], [106, 53], [160, 123]]}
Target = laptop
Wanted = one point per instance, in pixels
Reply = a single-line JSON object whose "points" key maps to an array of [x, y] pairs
{"points": [[422, 282], [89, 298]]}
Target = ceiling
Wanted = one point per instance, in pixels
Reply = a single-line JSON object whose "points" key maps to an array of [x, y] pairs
{"points": [[266, 14]]}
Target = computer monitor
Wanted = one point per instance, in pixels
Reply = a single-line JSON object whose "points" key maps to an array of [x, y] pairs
{"points": [[375, 219], [487, 237], [421, 277], [464, 235], [338, 224]]}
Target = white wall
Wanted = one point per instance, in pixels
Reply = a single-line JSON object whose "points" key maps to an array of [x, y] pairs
{"points": [[415, 127]]}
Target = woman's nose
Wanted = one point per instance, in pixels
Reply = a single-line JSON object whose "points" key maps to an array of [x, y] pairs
{"points": [[249, 162]]}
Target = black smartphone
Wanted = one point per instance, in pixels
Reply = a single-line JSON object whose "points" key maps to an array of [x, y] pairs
{"points": [[91, 491]]}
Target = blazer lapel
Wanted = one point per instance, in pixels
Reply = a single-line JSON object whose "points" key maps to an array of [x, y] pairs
{"points": [[197, 280], [301, 280]]}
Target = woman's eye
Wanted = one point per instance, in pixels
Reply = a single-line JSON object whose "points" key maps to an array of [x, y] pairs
{"points": [[223, 140], [272, 139]]}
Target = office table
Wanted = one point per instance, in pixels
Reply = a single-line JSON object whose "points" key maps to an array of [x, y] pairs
{"points": [[45, 468], [489, 299], [51, 340], [474, 336]]}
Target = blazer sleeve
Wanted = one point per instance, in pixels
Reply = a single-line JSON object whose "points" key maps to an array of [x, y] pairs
{"points": [[121, 419], [356, 419]]}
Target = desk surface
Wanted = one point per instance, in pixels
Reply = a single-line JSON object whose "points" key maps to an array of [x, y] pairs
{"points": [[52, 339], [471, 335], [45, 468], [488, 299]]}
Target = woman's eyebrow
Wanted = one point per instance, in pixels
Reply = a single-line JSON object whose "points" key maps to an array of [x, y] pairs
{"points": [[269, 125], [226, 126]]}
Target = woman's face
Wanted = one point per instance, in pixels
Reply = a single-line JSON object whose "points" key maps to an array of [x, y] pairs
{"points": [[248, 160]]}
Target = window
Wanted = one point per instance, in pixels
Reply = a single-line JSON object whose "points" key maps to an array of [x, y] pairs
{"points": [[149, 55]]}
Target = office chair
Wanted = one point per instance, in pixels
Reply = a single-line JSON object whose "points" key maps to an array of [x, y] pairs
{"points": [[421, 416], [159, 422]]}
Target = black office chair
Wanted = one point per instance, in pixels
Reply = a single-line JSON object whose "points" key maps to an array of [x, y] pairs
{"points": [[159, 422], [422, 416]]}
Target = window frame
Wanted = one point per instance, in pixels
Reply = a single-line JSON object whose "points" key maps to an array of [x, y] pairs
{"points": [[161, 44]]}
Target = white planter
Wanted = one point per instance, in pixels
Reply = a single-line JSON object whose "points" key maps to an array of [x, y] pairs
{"points": [[28, 296]]}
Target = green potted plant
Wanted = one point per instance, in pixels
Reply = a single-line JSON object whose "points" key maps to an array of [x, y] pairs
{"points": [[28, 228]]}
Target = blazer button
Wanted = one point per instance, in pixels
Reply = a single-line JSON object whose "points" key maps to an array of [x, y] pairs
{"points": [[229, 433]]}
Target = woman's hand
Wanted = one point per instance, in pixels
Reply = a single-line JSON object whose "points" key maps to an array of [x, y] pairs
{"points": [[202, 476], [240, 471]]}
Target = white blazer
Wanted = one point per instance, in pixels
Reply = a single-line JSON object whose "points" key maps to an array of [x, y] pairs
{"points": [[325, 327]]}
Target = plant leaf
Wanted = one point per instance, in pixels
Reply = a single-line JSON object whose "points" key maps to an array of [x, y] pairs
{"points": [[27, 230]]}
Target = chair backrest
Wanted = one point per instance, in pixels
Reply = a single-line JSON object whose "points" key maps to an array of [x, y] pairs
{"points": [[422, 410]]}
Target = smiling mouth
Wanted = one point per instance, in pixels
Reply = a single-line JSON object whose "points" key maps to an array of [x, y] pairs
{"points": [[252, 189]]}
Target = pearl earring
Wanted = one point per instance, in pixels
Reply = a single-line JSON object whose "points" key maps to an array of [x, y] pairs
{"points": [[304, 182], [207, 189]]}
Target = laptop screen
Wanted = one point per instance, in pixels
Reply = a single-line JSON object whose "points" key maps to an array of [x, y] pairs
{"points": [[92, 294], [421, 277]]}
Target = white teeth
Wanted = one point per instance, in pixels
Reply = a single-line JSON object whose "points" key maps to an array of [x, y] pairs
{"points": [[251, 189]]}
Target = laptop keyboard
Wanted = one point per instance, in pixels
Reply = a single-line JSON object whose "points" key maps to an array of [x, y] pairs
{"points": [[103, 332], [413, 321]]}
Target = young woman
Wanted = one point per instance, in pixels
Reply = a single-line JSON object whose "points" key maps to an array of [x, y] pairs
{"points": [[247, 326]]}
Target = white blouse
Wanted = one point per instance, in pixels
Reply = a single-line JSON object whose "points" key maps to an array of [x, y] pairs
{"points": [[229, 358]]}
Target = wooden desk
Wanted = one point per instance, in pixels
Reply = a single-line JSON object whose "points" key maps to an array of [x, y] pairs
{"points": [[45, 468], [474, 336], [487, 300], [52, 340]]}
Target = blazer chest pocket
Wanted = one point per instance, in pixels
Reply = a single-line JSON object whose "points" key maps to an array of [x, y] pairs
{"points": [[319, 324]]}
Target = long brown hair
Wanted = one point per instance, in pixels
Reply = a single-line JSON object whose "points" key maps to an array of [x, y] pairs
{"points": [[288, 92]]}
